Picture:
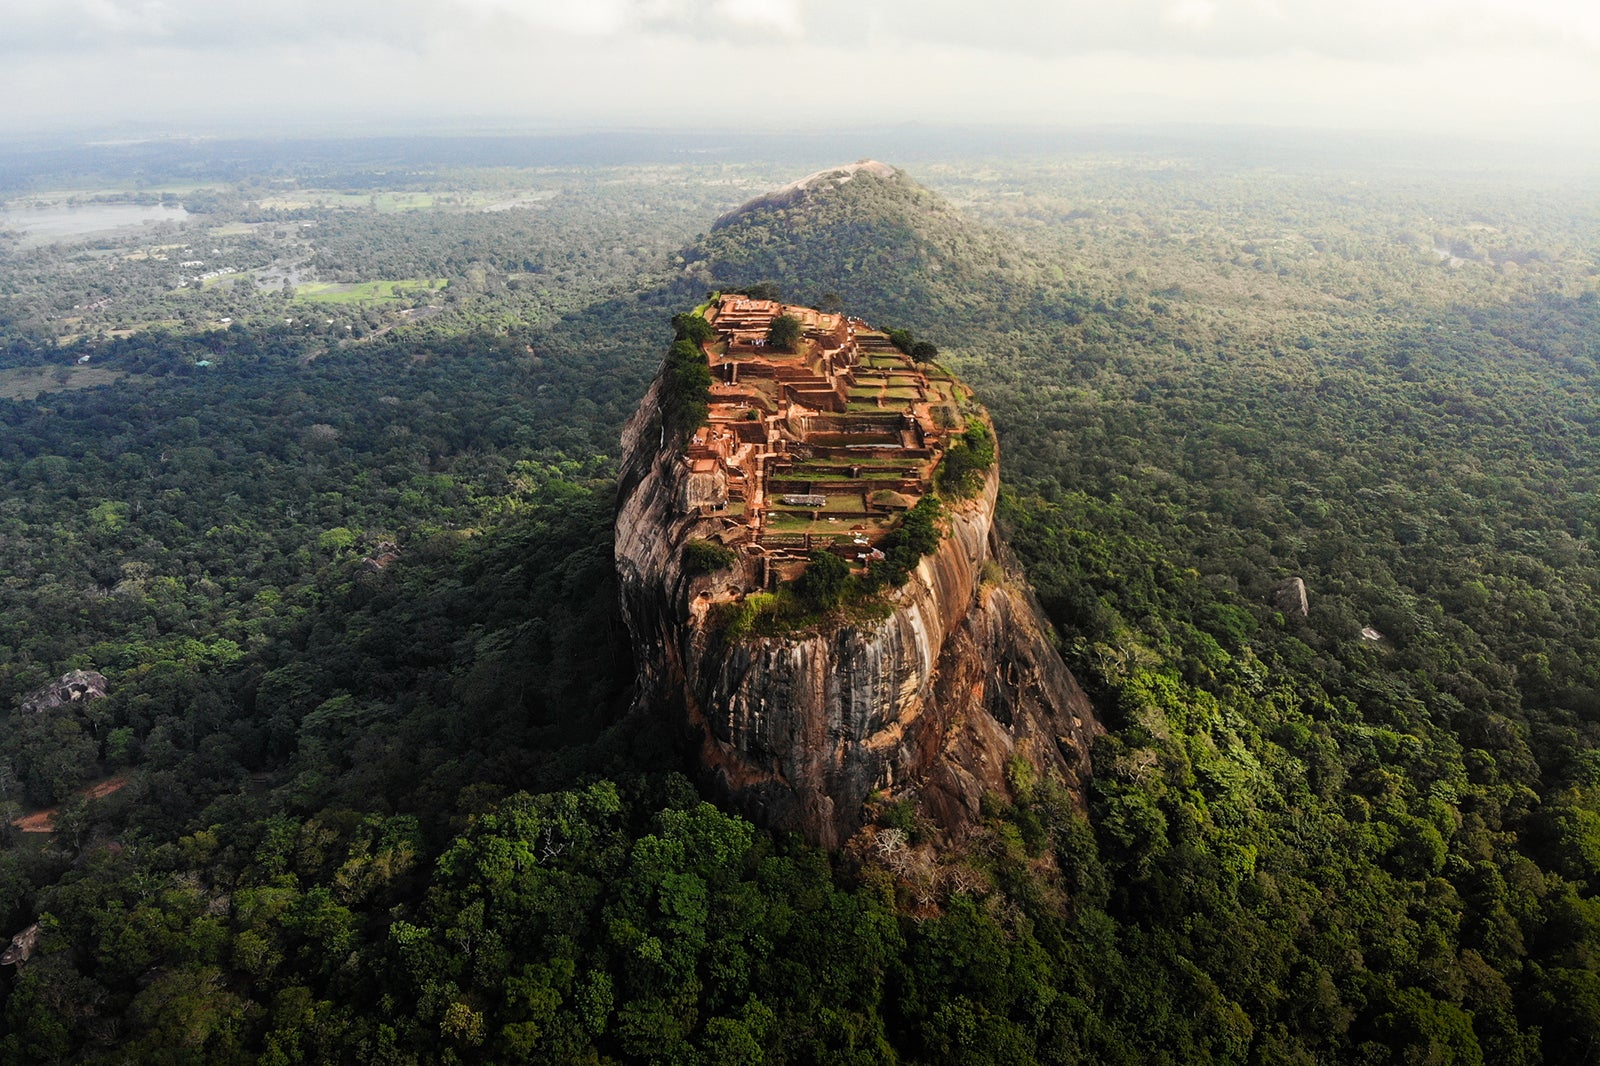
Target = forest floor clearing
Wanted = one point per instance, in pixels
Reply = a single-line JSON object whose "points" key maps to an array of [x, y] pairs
{"points": [[43, 821], [30, 382]]}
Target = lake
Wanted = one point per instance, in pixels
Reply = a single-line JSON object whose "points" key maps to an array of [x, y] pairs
{"points": [[58, 222]]}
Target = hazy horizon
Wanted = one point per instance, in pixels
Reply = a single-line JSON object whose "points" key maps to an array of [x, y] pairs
{"points": [[1490, 70]]}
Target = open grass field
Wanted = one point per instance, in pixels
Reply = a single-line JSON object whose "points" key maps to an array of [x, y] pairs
{"points": [[785, 522], [839, 504], [150, 250], [382, 291], [835, 465], [128, 329], [103, 193], [30, 382]]}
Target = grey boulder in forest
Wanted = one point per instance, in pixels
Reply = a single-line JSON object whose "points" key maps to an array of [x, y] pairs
{"points": [[1290, 597], [76, 686]]}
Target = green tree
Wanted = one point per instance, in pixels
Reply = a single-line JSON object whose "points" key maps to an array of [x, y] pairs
{"points": [[825, 581], [707, 556], [785, 333]]}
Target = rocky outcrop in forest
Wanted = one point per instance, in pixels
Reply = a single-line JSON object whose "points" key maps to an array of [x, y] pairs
{"points": [[73, 687], [948, 692]]}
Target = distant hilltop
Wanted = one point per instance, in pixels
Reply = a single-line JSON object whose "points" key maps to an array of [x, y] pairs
{"points": [[868, 236], [797, 190]]}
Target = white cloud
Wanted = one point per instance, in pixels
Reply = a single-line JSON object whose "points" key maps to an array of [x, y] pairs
{"points": [[1060, 28], [586, 18], [1460, 63], [1190, 14], [783, 16]]}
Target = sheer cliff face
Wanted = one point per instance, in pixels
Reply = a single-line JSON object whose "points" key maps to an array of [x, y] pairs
{"points": [[799, 731]]}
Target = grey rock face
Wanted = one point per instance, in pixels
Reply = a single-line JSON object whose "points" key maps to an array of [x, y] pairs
{"points": [[79, 686], [1290, 597], [22, 946]]}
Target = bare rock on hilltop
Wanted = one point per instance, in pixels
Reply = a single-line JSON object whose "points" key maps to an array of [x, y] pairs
{"points": [[821, 180], [77, 686]]}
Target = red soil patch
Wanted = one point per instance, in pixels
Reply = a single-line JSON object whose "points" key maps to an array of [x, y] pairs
{"points": [[44, 821]]}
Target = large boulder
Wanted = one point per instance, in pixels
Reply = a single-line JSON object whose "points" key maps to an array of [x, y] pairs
{"points": [[76, 687], [1290, 597], [22, 946]]}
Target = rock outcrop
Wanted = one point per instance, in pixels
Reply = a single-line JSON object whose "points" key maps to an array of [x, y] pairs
{"points": [[936, 703], [75, 687], [1289, 595], [822, 179], [21, 948]]}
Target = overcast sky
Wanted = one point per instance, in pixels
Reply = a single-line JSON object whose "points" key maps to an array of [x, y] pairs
{"points": [[1494, 67]]}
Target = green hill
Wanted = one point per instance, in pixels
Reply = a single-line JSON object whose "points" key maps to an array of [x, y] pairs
{"points": [[888, 248]]}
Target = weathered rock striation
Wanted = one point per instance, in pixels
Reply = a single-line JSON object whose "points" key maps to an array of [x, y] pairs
{"points": [[934, 703]]}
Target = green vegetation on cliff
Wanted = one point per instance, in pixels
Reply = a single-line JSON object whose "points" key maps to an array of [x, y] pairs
{"points": [[685, 389], [915, 536], [706, 557], [968, 461]]}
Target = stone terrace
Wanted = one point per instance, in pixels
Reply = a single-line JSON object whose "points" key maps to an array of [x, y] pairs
{"points": [[820, 448]]}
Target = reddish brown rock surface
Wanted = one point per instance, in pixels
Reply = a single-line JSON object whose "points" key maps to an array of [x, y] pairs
{"points": [[799, 731]]}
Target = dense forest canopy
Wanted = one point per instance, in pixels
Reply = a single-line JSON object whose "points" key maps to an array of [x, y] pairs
{"points": [[334, 526]]}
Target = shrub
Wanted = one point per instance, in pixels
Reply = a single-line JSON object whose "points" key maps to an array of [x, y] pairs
{"points": [[916, 536], [685, 389], [693, 328], [707, 557], [969, 457], [785, 333], [762, 290], [740, 618], [824, 584], [906, 341]]}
